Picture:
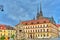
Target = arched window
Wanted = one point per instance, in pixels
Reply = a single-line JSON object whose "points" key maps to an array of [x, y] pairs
{"points": [[26, 30], [47, 25], [36, 30], [47, 34], [47, 30], [41, 35], [44, 30], [43, 25], [20, 30], [38, 35], [41, 30], [26, 27], [44, 35], [38, 26], [33, 26], [33, 30]]}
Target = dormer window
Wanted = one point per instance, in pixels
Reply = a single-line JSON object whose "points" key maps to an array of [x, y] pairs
{"points": [[37, 22], [32, 23], [44, 21], [25, 23]]}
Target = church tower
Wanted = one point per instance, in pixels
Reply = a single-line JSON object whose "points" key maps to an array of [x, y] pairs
{"points": [[40, 14]]}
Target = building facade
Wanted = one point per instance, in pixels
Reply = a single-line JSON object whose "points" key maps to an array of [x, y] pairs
{"points": [[58, 25], [40, 27], [20, 33], [6, 32]]}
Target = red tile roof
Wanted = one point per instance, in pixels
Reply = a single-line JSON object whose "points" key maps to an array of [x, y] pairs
{"points": [[58, 25], [2, 27], [42, 20]]}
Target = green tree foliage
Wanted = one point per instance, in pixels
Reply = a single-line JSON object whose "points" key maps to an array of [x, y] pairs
{"points": [[12, 36], [2, 38]]}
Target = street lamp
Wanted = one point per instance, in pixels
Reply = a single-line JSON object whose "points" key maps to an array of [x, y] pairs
{"points": [[1, 8]]}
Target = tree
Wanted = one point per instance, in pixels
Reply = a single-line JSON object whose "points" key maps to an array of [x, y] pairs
{"points": [[12, 36], [3, 37]]}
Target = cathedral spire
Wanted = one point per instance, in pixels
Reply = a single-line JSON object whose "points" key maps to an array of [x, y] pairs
{"points": [[41, 8], [40, 15]]}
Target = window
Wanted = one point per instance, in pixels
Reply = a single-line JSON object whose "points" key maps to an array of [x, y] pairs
{"points": [[26, 23], [44, 30], [4, 30], [37, 22], [40, 25], [44, 21], [47, 25], [38, 30], [33, 26], [33, 30], [44, 35], [36, 26], [4, 34], [38, 35], [32, 23], [47, 34], [8, 37], [20, 30], [28, 30], [8, 33], [41, 35], [41, 30], [26, 27], [43, 25], [47, 30]]}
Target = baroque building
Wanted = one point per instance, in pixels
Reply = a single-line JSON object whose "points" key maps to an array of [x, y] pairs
{"points": [[6, 32], [20, 33], [41, 27], [58, 25]]}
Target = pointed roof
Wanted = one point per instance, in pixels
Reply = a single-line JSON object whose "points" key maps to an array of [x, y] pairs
{"points": [[40, 14]]}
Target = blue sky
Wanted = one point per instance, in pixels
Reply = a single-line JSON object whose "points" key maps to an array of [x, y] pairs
{"points": [[16, 10]]}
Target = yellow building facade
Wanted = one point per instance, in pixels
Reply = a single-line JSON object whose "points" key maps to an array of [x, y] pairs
{"points": [[45, 30], [7, 33], [41, 27], [58, 25]]}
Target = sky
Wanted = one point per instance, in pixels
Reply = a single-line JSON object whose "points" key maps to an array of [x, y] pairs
{"points": [[22, 10]]}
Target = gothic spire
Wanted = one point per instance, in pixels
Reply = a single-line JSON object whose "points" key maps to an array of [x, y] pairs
{"points": [[41, 8], [40, 15]]}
